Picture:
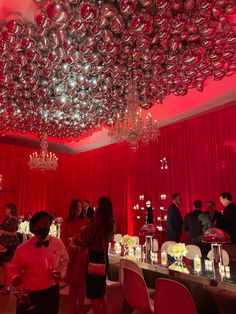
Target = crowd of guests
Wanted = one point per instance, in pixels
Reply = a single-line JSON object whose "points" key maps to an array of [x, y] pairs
{"points": [[37, 265], [197, 221], [40, 263]]}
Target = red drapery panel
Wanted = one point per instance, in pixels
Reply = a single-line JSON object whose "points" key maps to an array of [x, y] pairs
{"points": [[201, 154]]}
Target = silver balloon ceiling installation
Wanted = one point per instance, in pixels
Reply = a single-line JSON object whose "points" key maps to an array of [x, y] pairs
{"points": [[68, 73]]}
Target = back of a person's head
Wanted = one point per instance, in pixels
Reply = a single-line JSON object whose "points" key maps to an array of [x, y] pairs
{"points": [[226, 195], [38, 216], [175, 195], [197, 204], [104, 208], [104, 213], [12, 208], [212, 203], [73, 209]]}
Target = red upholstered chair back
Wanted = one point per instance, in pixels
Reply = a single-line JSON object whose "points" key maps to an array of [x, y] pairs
{"points": [[135, 291], [172, 297]]}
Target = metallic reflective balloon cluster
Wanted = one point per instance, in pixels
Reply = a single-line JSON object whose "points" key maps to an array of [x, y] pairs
{"points": [[68, 73]]}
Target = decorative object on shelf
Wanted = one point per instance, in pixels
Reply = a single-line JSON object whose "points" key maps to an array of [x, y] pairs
{"points": [[163, 197], [44, 160], [216, 237], [164, 163], [134, 129]]}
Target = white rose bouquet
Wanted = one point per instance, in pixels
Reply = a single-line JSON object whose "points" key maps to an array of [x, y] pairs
{"points": [[177, 250], [179, 268], [128, 241], [24, 227]]}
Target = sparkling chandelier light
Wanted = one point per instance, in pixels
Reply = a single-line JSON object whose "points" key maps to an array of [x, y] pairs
{"points": [[134, 129], [43, 160]]}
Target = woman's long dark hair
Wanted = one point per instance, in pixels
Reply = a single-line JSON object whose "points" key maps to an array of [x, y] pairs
{"points": [[104, 213], [13, 209], [73, 210]]}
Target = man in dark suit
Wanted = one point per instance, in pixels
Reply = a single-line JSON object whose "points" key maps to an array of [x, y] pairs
{"points": [[196, 223], [174, 219], [228, 223], [228, 220], [213, 214], [88, 210]]}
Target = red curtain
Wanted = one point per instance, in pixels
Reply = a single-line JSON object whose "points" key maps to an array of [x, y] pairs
{"points": [[201, 154]]}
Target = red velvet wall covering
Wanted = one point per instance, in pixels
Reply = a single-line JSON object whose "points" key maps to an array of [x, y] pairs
{"points": [[201, 155]]}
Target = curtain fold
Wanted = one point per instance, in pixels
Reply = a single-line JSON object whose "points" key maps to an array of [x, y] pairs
{"points": [[201, 154]]}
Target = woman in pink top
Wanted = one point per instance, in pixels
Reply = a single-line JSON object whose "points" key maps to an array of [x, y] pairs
{"points": [[77, 266]]}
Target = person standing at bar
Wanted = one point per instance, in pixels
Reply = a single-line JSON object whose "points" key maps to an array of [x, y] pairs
{"points": [[174, 219]]}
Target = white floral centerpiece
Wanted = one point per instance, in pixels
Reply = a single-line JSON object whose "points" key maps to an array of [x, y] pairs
{"points": [[24, 227], [128, 241], [179, 268], [177, 250], [53, 230]]}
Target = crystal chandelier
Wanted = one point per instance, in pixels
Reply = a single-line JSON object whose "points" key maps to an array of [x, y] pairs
{"points": [[134, 129], [43, 160]]}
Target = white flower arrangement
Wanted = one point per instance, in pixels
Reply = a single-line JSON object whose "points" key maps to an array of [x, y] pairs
{"points": [[53, 230], [24, 227], [127, 240], [179, 268], [177, 250]]}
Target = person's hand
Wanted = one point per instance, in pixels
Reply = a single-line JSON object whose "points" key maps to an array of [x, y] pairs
{"points": [[17, 281]]}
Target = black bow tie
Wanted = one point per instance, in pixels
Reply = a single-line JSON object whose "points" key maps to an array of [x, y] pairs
{"points": [[41, 243]]}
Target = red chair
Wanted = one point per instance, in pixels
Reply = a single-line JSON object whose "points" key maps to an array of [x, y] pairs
{"points": [[135, 292], [172, 297]]}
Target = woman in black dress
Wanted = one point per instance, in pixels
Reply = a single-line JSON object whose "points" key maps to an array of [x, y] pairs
{"points": [[96, 237], [8, 240]]}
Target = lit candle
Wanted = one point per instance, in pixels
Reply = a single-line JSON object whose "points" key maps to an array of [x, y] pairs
{"points": [[222, 270], [197, 264], [227, 271], [206, 263], [164, 258]]}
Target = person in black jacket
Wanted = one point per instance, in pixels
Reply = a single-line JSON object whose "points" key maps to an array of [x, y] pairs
{"points": [[196, 223], [213, 214], [228, 220], [174, 219], [88, 210]]}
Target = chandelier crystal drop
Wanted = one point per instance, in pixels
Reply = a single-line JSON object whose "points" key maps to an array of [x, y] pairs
{"points": [[134, 129], [44, 160]]}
